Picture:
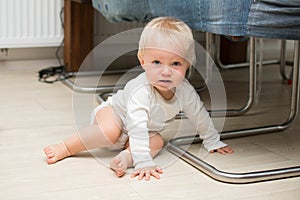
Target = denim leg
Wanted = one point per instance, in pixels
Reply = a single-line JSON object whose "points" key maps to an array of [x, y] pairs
{"points": [[278, 19], [259, 18], [123, 10], [227, 17]]}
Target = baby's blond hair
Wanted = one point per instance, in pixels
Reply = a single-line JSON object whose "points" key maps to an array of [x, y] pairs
{"points": [[172, 30]]}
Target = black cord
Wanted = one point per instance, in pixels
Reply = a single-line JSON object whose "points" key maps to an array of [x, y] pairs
{"points": [[57, 73], [62, 42], [53, 74]]}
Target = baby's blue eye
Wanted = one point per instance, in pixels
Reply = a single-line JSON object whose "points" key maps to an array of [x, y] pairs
{"points": [[156, 62], [177, 64]]}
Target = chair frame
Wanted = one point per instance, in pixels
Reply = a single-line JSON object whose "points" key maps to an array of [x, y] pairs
{"points": [[248, 177]]}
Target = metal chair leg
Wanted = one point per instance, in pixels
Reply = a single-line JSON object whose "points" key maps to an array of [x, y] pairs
{"points": [[282, 60], [230, 66], [249, 177], [94, 89], [252, 82]]}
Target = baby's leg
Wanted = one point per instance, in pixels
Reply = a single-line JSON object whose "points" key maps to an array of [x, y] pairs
{"points": [[123, 160], [103, 133], [69, 147], [56, 152]]}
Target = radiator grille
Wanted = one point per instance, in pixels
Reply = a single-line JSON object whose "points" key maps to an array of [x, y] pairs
{"points": [[30, 23]]}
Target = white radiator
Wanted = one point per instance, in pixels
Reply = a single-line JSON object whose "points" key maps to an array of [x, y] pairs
{"points": [[30, 23]]}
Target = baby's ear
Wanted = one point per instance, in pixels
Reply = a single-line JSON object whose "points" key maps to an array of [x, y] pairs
{"points": [[140, 57]]}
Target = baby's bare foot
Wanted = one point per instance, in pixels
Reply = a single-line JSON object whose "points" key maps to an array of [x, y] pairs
{"points": [[121, 162], [56, 152]]}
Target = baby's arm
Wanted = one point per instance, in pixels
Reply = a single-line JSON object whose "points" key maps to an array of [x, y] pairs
{"points": [[208, 133], [196, 112], [139, 140]]}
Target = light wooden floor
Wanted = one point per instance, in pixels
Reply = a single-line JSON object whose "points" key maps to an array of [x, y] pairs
{"points": [[34, 114]]}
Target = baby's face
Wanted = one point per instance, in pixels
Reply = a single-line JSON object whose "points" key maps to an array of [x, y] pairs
{"points": [[164, 69]]}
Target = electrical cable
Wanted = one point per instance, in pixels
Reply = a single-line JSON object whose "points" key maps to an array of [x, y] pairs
{"points": [[62, 42], [57, 73]]}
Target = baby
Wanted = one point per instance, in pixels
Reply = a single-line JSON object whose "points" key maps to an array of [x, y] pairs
{"points": [[133, 118]]}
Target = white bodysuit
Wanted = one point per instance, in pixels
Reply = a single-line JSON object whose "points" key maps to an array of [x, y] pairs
{"points": [[143, 110]]}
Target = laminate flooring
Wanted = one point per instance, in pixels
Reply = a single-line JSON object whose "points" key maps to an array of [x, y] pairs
{"points": [[35, 114]]}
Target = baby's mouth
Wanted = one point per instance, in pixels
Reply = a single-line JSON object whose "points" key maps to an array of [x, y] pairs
{"points": [[165, 81]]}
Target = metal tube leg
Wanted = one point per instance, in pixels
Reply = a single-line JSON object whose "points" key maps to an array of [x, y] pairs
{"points": [[100, 89], [230, 66], [209, 50], [252, 87], [94, 89], [293, 107], [282, 59], [249, 177]]}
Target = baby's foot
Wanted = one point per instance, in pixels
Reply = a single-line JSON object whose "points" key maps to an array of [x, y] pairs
{"points": [[56, 152], [121, 162]]}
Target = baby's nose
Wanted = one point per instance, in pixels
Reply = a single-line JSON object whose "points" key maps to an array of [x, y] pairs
{"points": [[166, 70]]}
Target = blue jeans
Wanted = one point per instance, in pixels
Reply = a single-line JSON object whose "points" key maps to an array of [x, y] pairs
{"points": [[262, 18], [275, 19]]}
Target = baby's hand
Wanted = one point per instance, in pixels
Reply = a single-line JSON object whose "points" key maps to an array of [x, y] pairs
{"points": [[223, 150], [147, 172]]}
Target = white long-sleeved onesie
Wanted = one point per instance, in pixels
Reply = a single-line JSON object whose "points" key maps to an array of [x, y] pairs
{"points": [[143, 110]]}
